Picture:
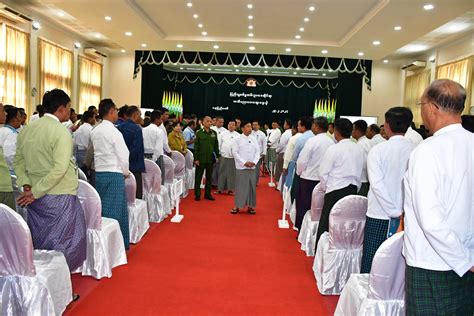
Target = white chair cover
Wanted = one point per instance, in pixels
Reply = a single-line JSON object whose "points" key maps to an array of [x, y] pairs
{"points": [[105, 247], [339, 251], [169, 178], [309, 227], [16, 191], [25, 288], [81, 174], [179, 168], [383, 291], [155, 195], [137, 211], [190, 173], [293, 213]]}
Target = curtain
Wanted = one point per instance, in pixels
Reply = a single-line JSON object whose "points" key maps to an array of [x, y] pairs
{"points": [[461, 72], [55, 68], [90, 83], [415, 85], [14, 67]]}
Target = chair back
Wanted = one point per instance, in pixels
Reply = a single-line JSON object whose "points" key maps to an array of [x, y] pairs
{"points": [[179, 164], [169, 169], [189, 160], [347, 223], [91, 204], [387, 276], [151, 178], [16, 246], [81, 174], [131, 188], [317, 203]]}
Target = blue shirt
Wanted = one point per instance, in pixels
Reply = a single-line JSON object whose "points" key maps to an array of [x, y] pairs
{"points": [[133, 136], [300, 144], [189, 135]]}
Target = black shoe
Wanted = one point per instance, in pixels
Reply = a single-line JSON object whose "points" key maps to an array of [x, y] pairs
{"points": [[234, 211], [251, 211], [197, 198], [210, 198]]}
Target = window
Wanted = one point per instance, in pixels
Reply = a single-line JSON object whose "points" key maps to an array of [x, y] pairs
{"points": [[55, 68], [14, 52], [90, 83]]}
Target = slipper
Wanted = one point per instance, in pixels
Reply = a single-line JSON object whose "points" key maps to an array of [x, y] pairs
{"points": [[234, 211], [251, 211]]}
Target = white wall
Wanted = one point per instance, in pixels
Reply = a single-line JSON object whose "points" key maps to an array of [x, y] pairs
{"points": [[119, 84]]}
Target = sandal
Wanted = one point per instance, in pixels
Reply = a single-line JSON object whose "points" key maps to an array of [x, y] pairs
{"points": [[251, 211], [234, 211], [230, 192]]}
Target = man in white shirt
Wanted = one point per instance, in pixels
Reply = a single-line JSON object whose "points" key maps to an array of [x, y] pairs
{"points": [[272, 143], [9, 134], [307, 167], [289, 165], [439, 209], [340, 171], [358, 133], [82, 137], [246, 151], [226, 178], [111, 157], [219, 128], [153, 141], [281, 147], [413, 136], [305, 124], [373, 134], [190, 135], [262, 142], [386, 164]]}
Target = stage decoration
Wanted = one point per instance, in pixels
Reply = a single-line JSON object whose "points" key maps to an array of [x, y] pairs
{"points": [[326, 108], [173, 101]]}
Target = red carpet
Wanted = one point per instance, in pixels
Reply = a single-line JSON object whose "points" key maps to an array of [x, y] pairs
{"points": [[212, 263]]}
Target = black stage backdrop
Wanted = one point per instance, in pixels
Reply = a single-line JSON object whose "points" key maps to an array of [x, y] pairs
{"points": [[272, 98]]}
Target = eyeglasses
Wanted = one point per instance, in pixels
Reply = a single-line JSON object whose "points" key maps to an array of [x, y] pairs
{"points": [[419, 104]]}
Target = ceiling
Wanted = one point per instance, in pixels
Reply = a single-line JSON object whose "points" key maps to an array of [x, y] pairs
{"points": [[335, 28]]}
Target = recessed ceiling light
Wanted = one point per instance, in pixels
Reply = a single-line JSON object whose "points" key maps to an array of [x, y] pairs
{"points": [[204, 33], [306, 19], [385, 61], [376, 43], [216, 46], [428, 7], [179, 45], [195, 16], [143, 45], [266, 71], [250, 6], [189, 4], [250, 34], [298, 36], [36, 25], [77, 45], [288, 50], [324, 51], [128, 33], [250, 27], [397, 28], [324, 75], [361, 54], [97, 35], [250, 17], [122, 50], [61, 14], [252, 47], [301, 29], [312, 8], [108, 18], [209, 69], [181, 68], [200, 25]]}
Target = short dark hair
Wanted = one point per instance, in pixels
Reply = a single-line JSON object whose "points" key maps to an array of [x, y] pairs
{"points": [[11, 112], [87, 116], [172, 116], [164, 110], [468, 122], [155, 115], [306, 121], [361, 126], [91, 108], [40, 109], [344, 127], [219, 117], [193, 116], [132, 109], [254, 121], [289, 122], [374, 128], [72, 110], [104, 107], [174, 124], [245, 122], [329, 124], [191, 123], [447, 94], [54, 99], [322, 122], [148, 113], [399, 119], [123, 111]]}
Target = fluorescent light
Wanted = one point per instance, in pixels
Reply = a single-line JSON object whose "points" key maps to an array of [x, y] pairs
{"points": [[209, 69], [309, 74], [204, 33], [288, 50], [250, 17], [237, 70], [376, 43], [128, 34], [298, 68], [36, 25], [200, 25], [189, 4], [195, 69], [143, 45], [428, 7], [306, 19], [179, 45], [253, 71], [330, 70], [360, 54], [195, 16], [226, 70], [250, 6], [281, 72], [298, 36], [181, 68], [301, 29], [205, 65], [123, 50], [216, 46], [397, 28], [250, 34], [324, 75], [250, 27], [235, 66], [324, 51], [312, 8], [252, 47], [294, 72], [385, 61], [108, 18], [266, 71]]}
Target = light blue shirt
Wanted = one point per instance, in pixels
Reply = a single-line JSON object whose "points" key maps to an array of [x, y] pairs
{"points": [[300, 144], [189, 135]]}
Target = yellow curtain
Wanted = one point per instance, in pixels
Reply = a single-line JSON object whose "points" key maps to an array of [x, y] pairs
{"points": [[14, 67], [414, 87], [90, 83], [55, 68], [461, 72]]}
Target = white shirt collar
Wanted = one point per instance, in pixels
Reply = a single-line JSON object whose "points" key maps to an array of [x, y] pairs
{"points": [[448, 128], [52, 116]]}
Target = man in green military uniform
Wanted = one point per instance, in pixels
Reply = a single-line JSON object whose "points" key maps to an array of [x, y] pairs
{"points": [[206, 151]]}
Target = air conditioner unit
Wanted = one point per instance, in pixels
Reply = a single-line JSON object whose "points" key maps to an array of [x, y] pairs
{"points": [[13, 15], [416, 65], [94, 53]]}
